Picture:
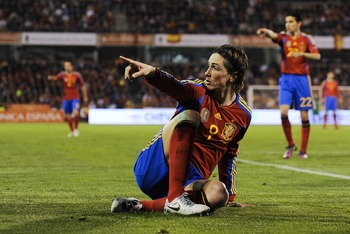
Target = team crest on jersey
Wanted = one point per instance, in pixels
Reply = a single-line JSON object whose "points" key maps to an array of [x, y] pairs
{"points": [[204, 115], [288, 43], [229, 131]]}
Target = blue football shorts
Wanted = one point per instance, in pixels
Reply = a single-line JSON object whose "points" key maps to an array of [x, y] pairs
{"points": [[331, 103], [295, 91], [152, 172], [70, 105]]}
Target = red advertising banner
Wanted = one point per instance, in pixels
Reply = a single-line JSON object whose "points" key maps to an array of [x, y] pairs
{"points": [[31, 114], [10, 38]]}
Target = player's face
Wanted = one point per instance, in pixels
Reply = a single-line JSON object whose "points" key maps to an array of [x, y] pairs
{"points": [[292, 25], [330, 76], [216, 76], [68, 67]]}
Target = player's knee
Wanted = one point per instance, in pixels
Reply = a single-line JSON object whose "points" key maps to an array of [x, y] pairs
{"points": [[217, 195], [190, 115]]}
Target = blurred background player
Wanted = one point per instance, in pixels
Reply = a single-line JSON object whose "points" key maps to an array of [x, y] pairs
{"points": [[71, 96], [330, 94], [294, 84], [210, 120]]}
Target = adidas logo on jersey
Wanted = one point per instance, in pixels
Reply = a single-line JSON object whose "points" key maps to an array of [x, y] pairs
{"points": [[218, 116]]}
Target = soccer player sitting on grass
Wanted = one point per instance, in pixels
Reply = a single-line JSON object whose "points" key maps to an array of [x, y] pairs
{"points": [[210, 120]]}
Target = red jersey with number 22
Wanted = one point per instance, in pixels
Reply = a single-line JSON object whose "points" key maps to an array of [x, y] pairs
{"points": [[303, 43], [70, 88]]}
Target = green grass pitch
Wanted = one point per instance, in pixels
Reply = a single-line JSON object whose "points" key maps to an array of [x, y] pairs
{"points": [[54, 184]]}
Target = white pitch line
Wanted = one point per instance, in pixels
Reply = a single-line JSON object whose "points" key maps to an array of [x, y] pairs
{"points": [[295, 169]]}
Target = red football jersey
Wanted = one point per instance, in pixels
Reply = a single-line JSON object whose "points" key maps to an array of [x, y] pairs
{"points": [[303, 43], [330, 88], [221, 128], [70, 88]]}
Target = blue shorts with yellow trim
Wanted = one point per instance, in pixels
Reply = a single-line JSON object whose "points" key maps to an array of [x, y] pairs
{"points": [[70, 105], [152, 172], [330, 103], [295, 91]]}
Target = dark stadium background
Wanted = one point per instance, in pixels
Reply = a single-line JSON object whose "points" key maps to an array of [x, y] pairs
{"points": [[24, 68]]}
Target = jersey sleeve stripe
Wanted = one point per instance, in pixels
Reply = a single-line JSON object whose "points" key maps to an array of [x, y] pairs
{"points": [[244, 105], [196, 82]]}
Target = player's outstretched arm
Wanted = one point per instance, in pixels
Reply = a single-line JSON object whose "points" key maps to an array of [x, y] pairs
{"points": [[137, 69], [265, 32], [313, 56], [52, 77]]}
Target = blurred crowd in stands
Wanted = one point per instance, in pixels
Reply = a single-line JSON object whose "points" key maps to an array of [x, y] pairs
{"points": [[326, 17], [25, 80]]}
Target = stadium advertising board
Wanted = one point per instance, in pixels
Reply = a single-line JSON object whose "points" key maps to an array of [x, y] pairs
{"points": [[113, 39], [325, 42], [190, 40], [147, 116], [160, 116], [161, 40], [10, 38], [273, 117], [59, 39], [30, 114], [346, 43], [251, 41]]}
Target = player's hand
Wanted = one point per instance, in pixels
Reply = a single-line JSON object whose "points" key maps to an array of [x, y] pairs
{"points": [[262, 32], [136, 69], [236, 204], [265, 32], [296, 54]]}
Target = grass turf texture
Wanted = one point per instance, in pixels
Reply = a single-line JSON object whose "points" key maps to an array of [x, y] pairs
{"points": [[54, 184]]}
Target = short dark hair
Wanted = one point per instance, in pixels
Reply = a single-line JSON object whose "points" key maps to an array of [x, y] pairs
{"points": [[236, 62], [296, 15]]}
